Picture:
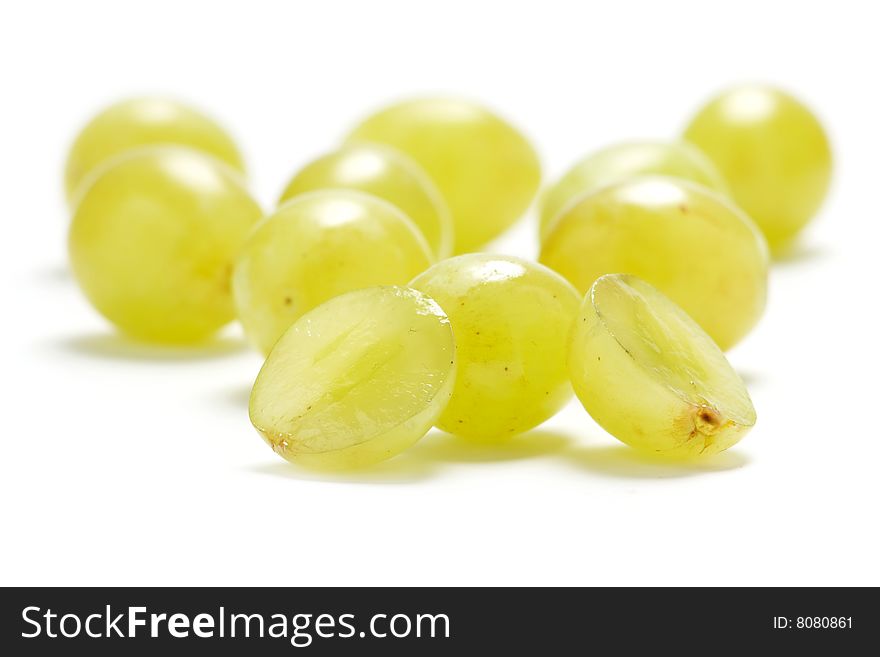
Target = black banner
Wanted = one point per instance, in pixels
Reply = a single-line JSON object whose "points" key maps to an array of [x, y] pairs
{"points": [[418, 621]]}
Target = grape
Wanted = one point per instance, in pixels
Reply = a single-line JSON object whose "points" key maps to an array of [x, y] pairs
{"points": [[144, 122], [691, 243], [385, 173], [650, 376], [676, 159], [773, 153], [511, 319], [356, 380], [153, 239], [484, 168], [316, 246]]}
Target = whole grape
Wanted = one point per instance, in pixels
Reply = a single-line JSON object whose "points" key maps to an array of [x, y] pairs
{"points": [[153, 240], [511, 319], [315, 247], [773, 153], [486, 170], [693, 244]]}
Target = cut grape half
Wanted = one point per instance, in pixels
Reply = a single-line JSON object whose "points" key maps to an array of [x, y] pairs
{"points": [[650, 376], [356, 380]]}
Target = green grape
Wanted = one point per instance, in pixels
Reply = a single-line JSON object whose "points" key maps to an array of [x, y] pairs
{"points": [[772, 151], [614, 163], [144, 122], [691, 243], [511, 319], [484, 168], [356, 380], [388, 174], [316, 246], [153, 240], [650, 376]]}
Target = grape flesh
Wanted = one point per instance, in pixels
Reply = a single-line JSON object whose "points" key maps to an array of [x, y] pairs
{"points": [[388, 174], [773, 153], [650, 376], [692, 244], [316, 246], [487, 171], [356, 380], [143, 122], [153, 240], [614, 163], [511, 320]]}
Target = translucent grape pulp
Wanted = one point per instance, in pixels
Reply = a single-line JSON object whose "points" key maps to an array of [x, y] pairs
{"points": [[650, 376], [356, 380]]}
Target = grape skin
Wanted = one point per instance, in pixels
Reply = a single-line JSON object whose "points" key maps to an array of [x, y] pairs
{"points": [[141, 122], [356, 380], [153, 239], [511, 319], [316, 246], [649, 375], [692, 244], [614, 163], [388, 174], [773, 153], [486, 170]]}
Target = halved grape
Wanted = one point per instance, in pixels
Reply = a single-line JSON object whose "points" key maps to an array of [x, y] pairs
{"points": [[772, 151], [691, 243], [388, 174], [316, 246], [485, 169], [153, 240], [614, 163], [650, 376], [356, 380], [145, 122], [511, 319]]}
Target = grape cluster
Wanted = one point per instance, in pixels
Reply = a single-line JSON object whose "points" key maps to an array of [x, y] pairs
{"points": [[380, 319]]}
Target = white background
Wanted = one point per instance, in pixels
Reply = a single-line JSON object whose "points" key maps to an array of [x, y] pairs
{"points": [[124, 465]]}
